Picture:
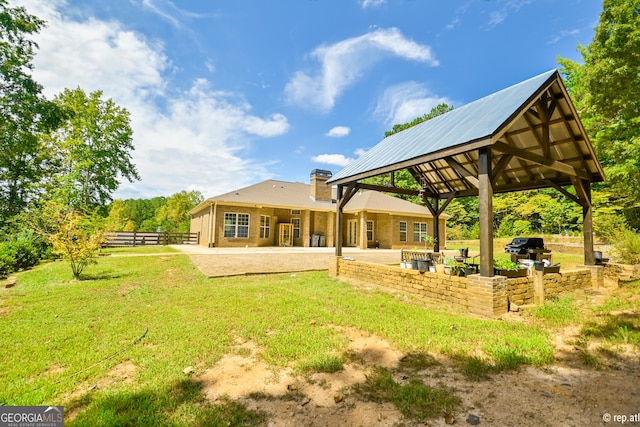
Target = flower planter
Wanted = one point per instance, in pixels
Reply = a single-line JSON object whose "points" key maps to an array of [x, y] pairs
{"points": [[522, 272]]}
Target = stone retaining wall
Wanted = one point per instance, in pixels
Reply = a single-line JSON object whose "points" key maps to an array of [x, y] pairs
{"points": [[485, 296]]}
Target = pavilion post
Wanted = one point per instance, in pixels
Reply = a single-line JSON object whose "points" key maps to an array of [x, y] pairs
{"points": [[339, 220], [485, 196], [436, 225], [587, 225]]}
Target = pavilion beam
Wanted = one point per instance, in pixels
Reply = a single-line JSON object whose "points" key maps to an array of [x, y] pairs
{"points": [[384, 189], [500, 166], [485, 196], [462, 171], [540, 160]]}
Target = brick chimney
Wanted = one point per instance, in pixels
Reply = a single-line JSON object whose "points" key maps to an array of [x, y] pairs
{"points": [[320, 191]]}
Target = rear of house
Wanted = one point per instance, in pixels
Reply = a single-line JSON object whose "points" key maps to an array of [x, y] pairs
{"points": [[280, 213]]}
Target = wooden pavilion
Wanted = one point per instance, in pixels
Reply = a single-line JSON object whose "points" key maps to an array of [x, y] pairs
{"points": [[524, 137]]}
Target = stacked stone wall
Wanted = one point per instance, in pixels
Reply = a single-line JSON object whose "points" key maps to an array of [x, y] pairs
{"points": [[484, 296]]}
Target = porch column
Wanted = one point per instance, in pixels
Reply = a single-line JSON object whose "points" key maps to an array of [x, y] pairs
{"points": [[485, 196], [364, 243], [306, 228], [339, 220]]}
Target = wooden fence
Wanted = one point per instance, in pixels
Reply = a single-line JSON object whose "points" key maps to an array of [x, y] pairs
{"points": [[149, 238]]}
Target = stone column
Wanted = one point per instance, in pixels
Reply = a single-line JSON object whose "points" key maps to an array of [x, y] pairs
{"points": [[487, 296]]}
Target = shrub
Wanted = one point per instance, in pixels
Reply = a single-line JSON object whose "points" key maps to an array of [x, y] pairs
{"points": [[7, 262], [20, 253], [627, 246], [608, 226]]}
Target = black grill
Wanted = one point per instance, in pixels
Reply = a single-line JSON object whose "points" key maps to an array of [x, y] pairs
{"points": [[524, 245]]}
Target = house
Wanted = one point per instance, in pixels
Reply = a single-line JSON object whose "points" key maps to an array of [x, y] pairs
{"points": [[280, 213]]}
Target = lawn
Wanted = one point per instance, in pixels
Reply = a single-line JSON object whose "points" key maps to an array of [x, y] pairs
{"points": [[160, 314]]}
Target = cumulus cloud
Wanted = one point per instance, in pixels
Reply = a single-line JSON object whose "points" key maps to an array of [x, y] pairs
{"points": [[339, 131], [184, 139], [343, 63], [404, 102], [332, 159], [336, 159]]}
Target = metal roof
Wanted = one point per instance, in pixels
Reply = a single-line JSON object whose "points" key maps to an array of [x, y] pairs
{"points": [[533, 129]]}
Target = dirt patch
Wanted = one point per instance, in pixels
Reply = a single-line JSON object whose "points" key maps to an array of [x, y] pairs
{"points": [[563, 394]]}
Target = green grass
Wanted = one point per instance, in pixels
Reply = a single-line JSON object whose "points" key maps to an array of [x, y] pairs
{"points": [[558, 312], [414, 399], [62, 335]]}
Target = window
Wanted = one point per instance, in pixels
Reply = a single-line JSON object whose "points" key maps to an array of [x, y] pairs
{"points": [[236, 225], [403, 231], [369, 231], [296, 211], [419, 231], [265, 227], [296, 227]]}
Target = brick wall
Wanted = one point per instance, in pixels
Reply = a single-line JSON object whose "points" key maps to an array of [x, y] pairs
{"points": [[485, 296]]}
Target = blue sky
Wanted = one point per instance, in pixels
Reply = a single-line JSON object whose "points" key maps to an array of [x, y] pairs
{"points": [[224, 94]]}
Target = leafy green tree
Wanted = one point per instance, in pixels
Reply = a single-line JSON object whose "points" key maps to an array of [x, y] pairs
{"points": [[174, 216], [93, 149], [606, 90], [24, 113], [436, 111]]}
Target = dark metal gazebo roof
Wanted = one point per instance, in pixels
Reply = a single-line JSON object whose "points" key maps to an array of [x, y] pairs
{"points": [[524, 137]]}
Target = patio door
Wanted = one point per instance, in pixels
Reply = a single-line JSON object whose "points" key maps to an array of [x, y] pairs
{"points": [[285, 234], [352, 232]]}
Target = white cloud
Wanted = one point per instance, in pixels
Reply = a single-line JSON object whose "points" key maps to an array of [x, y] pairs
{"points": [[184, 139], [332, 159], [336, 159], [343, 63], [339, 131], [404, 102], [371, 3], [512, 6], [563, 34]]}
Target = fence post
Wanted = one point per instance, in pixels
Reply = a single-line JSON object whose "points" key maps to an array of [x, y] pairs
{"points": [[134, 239]]}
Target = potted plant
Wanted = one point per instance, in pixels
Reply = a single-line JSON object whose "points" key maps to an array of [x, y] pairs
{"points": [[449, 265], [508, 268]]}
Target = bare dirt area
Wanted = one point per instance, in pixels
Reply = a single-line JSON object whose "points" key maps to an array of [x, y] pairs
{"points": [[565, 394]]}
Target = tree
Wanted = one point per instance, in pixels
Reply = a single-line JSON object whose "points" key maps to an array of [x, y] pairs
{"points": [[606, 90], [174, 216], [24, 113], [75, 236], [93, 149], [436, 111]]}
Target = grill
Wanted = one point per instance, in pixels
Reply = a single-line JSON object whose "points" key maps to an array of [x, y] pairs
{"points": [[525, 245]]}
